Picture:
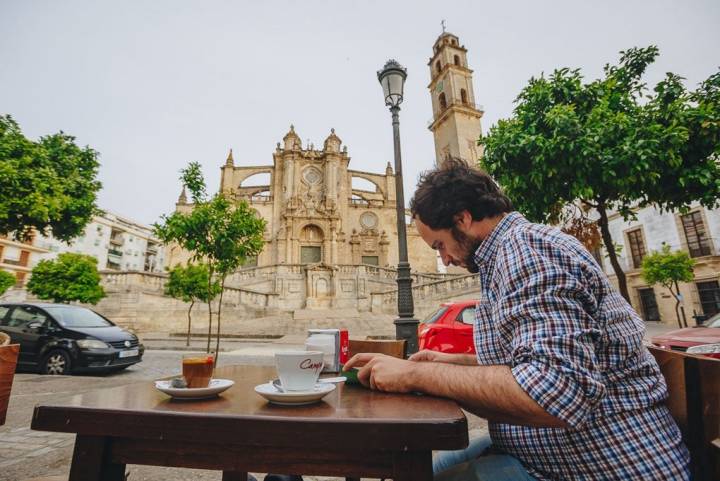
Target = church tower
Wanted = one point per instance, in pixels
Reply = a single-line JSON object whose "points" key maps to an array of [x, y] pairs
{"points": [[456, 117]]}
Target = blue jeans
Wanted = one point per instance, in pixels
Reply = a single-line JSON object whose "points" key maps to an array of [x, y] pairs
{"points": [[470, 464]]}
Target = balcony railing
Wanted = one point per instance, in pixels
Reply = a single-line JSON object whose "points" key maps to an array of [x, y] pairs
{"points": [[114, 253]]}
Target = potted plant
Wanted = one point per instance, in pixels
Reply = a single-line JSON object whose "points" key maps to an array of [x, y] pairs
{"points": [[8, 361]]}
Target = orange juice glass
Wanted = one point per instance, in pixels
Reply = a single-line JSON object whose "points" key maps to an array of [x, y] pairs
{"points": [[197, 369]]}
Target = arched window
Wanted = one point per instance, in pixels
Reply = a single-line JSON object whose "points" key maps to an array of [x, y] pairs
{"points": [[438, 66], [463, 96], [443, 102], [456, 59], [311, 238]]}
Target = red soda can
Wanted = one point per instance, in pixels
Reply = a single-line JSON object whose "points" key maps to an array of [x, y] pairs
{"points": [[344, 346]]}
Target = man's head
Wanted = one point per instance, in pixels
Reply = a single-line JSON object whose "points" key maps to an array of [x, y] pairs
{"points": [[456, 207]]}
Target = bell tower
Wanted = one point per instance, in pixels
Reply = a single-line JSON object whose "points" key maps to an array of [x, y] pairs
{"points": [[456, 117]]}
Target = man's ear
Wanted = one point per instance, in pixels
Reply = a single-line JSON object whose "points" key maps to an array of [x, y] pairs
{"points": [[463, 220]]}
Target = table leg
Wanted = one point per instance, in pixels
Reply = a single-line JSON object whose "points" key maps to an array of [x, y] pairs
{"points": [[413, 466], [91, 460], [234, 476]]}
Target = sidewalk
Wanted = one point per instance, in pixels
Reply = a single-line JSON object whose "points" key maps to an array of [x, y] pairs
{"points": [[163, 341]]}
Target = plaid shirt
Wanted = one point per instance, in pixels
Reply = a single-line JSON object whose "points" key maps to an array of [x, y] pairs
{"points": [[575, 346]]}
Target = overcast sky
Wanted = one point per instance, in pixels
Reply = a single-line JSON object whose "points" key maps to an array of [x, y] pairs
{"points": [[152, 85]]}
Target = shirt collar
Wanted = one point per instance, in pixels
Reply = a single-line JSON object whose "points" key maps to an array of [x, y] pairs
{"points": [[487, 249]]}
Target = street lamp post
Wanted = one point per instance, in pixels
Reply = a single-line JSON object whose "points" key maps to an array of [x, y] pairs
{"points": [[392, 78]]}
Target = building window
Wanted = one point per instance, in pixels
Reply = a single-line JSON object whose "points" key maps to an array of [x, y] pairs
{"points": [[709, 294], [371, 260], [648, 305], [251, 261], [463, 96], [443, 102], [310, 254], [698, 242], [438, 66], [456, 60], [637, 247]]}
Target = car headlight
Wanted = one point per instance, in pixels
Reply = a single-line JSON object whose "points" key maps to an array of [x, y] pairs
{"points": [[704, 349], [91, 344]]}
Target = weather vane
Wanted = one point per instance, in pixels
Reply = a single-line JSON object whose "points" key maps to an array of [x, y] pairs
{"points": [[443, 25]]}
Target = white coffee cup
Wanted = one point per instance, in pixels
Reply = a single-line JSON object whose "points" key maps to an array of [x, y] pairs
{"points": [[299, 370]]}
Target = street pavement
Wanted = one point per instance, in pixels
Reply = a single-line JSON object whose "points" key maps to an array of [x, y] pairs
{"points": [[26, 454]]}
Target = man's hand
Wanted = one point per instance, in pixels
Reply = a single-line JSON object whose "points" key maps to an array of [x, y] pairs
{"points": [[382, 372]]}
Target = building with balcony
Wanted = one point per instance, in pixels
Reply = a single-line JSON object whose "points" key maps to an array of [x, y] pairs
{"points": [[697, 232], [118, 243], [19, 257]]}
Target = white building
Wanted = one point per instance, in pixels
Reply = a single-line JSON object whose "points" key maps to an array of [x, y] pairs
{"points": [[116, 242], [696, 232]]}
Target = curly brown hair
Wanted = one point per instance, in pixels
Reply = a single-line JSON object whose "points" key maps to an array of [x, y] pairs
{"points": [[453, 187]]}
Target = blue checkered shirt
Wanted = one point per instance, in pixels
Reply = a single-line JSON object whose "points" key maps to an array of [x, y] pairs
{"points": [[575, 346]]}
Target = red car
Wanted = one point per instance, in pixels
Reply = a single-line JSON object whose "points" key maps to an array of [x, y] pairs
{"points": [[449, 329], [703, 339]]}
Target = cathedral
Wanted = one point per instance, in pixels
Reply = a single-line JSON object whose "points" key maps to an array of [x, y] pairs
{"points": [[315, 215]]}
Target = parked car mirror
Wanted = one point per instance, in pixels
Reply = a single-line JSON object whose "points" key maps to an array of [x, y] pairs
{"points": [[35, 325]]}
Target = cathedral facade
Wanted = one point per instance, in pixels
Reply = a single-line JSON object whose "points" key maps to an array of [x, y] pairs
{"points": [[315, 213]]}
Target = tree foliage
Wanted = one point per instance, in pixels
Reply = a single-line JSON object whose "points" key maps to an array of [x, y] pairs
{"points": [[7, 280], [668, 269], [190, 284], [70, 277], [48, 184], [609, 144], [219, 231]]}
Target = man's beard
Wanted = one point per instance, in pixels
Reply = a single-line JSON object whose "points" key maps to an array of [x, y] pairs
{"points": [[468, 246]]}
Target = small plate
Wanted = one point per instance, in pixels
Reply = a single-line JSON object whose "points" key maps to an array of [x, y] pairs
{"points": [[216, 387], [294, 398]]}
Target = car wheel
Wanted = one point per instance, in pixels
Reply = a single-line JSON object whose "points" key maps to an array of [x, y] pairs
{"points": [[56, 362]]}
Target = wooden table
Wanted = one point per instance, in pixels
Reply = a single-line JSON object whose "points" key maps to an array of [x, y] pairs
{"points": [[353, 432]]}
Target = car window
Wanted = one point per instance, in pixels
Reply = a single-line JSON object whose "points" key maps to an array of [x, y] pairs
{"points": [[71, 316], [713, 321], [435, 315], [3, 312], [22, 316], [467, 316]]}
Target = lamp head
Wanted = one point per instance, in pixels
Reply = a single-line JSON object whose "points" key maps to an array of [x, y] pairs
{"points": [[392, 78]]}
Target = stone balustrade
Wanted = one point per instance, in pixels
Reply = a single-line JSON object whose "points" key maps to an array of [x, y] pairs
{"points": [[427, 296]]}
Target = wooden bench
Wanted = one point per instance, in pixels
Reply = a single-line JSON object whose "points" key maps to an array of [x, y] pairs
{"points": [[694, 401]]}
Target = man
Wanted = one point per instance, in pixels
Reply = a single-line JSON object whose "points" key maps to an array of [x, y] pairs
{"points": [[561, 373]]}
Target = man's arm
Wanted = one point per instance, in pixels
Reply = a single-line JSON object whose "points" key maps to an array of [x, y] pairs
{"points": [[488, 391], [450, 358]]}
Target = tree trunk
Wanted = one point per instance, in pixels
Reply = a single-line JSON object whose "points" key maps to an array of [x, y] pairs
{"points": [[610, 247], [187, 340], [217, 340], [677, 303], [209, 303]]}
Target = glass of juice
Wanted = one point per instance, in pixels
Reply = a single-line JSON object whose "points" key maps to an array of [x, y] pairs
{"points": [[197, 369]]}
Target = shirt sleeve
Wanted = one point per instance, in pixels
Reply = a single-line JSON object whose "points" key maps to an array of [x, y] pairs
{"points": [[548, 309]]}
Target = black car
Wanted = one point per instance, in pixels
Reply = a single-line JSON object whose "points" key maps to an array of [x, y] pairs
{"points": [[61, 339]]}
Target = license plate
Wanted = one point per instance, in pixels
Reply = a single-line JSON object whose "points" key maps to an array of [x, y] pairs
{"points": [[129, 353]]}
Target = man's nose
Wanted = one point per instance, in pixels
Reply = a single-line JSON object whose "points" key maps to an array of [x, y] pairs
{"points": [[446, 259]]}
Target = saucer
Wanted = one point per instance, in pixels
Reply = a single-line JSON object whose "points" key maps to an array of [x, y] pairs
{"points": [[294, 398], [216, 387]]}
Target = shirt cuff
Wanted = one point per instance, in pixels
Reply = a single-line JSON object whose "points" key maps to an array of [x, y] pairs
{"points": [[569, 400]]}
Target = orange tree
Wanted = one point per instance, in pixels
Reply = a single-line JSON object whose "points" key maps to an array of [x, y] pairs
{"points": [[608, 145], [219, 231]]}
